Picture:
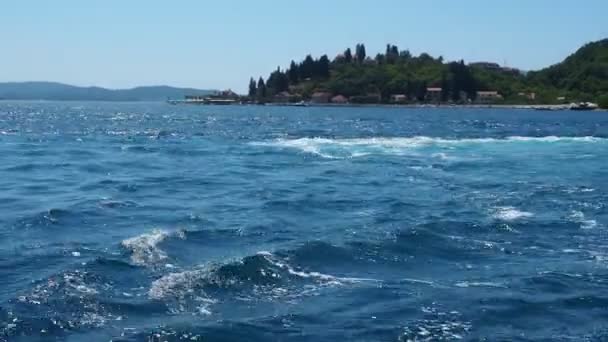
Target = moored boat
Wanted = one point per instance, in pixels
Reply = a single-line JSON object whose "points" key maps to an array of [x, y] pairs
{"points": [[583, 106]]}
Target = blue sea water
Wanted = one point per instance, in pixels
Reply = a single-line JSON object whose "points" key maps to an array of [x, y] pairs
{"points": [[151, 222]]}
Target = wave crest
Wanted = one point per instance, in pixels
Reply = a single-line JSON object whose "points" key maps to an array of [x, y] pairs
{"points": [[511, 214], [144, 248], [579, 217], [263, 275]]}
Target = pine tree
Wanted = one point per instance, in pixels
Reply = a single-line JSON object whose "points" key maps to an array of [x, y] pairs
{"points": [[360, 53], [348, 56], [261, 91], [294, 73], [252, 88], [323, 66], [395, 51], [307, 67], [392, 53], [363, 54], [462, 81], [445, 87], [277, 82]]}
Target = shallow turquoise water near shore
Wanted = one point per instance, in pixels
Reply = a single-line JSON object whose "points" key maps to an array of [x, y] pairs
{"points": [[144, 221]]}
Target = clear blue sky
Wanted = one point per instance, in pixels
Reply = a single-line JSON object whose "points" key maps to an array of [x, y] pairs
{"points": [[221, 43]]}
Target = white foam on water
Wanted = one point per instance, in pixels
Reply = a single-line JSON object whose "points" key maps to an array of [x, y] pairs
{"points": [[441, 156], [358, 147], [76, 282], [307, 145], [144, 248], [465, 284], [510, 214], [553, 138], [324, 278], [175, 284], [589, 224], [84, 309], [598, 256], [436, 326], [418, 281], [182, 286], [316, 275], [577, 216], [179, 290], [573, 190]]}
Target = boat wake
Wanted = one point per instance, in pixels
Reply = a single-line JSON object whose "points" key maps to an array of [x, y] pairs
{"points": [[359, 147]]}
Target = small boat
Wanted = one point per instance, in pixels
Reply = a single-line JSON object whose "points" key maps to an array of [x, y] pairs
{"points": [[583, 106], [300, 104]]}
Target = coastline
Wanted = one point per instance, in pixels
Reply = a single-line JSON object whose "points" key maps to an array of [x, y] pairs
{"points": [[539, 107]]}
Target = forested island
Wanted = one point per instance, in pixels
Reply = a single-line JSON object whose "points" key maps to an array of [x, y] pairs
{"points": [[396, 76]]}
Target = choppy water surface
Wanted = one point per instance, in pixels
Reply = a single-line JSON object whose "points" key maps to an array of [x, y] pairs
{"points": [[150, 222]]}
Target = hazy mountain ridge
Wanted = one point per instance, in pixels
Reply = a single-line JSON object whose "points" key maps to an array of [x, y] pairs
{"points": [[65, 92]]}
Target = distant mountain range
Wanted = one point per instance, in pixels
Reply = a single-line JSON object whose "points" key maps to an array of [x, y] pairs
{"points": [[65, 92]]}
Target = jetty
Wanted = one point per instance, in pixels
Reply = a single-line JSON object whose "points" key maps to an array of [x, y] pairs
{"points": [[225, 97]]}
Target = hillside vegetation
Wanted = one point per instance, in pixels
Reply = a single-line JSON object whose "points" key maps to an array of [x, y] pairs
{"points": [[583, 76]]}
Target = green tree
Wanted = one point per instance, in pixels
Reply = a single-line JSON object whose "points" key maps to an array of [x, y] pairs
{"points": [[410, 89], [278, 81], [360, 53], [421, 89], [348, 56], [405, 55], [462, 81], [307, 68], [603, 101], [261, 91], [323, 66], [445, 87], [425, 57], [392, 54], [293, 73], [252, 88]]}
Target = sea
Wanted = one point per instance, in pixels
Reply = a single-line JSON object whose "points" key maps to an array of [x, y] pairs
{"points": [[152, 222]]}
